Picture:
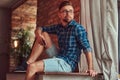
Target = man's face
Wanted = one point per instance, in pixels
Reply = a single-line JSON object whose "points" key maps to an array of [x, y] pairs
{"points": [[66, 14]]}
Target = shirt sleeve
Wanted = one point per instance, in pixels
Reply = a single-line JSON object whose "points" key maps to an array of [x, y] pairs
{"points": [[82, 38], [49, 29]]}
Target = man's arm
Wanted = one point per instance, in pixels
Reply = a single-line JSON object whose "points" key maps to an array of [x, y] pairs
{"points": [[89, 60], [90, 64], [84, 42], [52, 29]]}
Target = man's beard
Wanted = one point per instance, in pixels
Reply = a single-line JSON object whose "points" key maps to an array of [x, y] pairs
{"points": [[66, 20]]}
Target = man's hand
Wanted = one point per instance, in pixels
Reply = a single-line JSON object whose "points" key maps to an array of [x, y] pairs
{"points": [[38, 33], [92, 73], [90, 65]]}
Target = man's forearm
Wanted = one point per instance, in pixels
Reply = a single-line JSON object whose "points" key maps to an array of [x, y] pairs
{"points": [[89, 60]]}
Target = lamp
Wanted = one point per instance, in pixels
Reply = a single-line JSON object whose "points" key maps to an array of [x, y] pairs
{"points": [[15, 43]]}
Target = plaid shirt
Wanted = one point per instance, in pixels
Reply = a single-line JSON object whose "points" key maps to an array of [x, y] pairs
{"points": [[71, 39]]}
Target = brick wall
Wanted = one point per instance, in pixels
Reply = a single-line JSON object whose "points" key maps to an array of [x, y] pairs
{"points": [[47, 13], [22, 17], [25, 15]]}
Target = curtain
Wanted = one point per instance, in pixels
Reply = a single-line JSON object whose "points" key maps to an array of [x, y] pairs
{"points": [[86, 23], [119, 36], [100, 18]]}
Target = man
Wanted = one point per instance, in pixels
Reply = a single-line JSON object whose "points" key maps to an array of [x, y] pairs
{"points": [[72, 38]]}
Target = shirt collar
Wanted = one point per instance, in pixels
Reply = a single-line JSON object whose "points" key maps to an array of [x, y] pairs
{"points": [[71, 23]]}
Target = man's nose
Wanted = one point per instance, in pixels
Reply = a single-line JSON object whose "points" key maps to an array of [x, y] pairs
{"points": [[69, 12]]}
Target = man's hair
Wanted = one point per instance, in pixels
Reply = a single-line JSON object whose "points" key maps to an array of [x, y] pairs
{"points": [[65, 3]]}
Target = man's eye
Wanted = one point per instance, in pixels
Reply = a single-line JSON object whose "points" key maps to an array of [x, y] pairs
{"points": [[66, 11]]}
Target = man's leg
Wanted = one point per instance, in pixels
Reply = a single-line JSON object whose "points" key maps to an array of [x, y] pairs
{"points": [[38, 47], [37, 66], [36, 51]]}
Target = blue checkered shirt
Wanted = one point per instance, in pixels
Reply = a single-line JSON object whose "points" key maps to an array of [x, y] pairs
{"points": [[71, 39]]}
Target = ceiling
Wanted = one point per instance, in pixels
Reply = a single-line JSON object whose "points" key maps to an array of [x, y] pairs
{"points": [[15, 3], [10, 3]]}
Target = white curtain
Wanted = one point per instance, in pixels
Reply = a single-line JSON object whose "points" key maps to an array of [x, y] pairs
{"points": [[119, 37], [100, 18], [86, 22]]}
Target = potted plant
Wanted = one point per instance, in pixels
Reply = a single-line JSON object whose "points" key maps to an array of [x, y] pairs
{"points": [[22, 46]]}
